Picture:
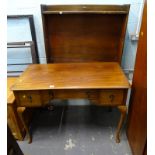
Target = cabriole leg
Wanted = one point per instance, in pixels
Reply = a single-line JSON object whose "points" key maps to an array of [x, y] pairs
{"points": [[123, 110]]}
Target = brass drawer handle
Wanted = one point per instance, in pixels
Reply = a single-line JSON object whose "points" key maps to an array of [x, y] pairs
{"points": [[51, 94], [30, 98], [112, 97], [24, 96]]}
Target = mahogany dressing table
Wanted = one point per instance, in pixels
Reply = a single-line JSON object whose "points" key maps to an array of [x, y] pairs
{"points": [[84, 45]]}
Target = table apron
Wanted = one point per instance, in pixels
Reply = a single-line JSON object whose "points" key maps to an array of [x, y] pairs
{"points": [[39, 98]]}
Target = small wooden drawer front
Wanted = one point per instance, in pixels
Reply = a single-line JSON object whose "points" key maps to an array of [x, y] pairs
{"points": [[46, 96], [28, 98], [36, 98], [75, 94], [111, 97]]}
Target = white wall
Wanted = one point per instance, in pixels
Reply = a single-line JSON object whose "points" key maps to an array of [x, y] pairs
{"points": [[16, 7]]}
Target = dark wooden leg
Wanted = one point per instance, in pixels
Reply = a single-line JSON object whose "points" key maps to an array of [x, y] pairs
{"points": [[123, 110], [21, 111]]}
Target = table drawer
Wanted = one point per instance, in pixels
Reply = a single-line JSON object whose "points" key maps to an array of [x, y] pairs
{"points": [[46, 96], [75, 94], [111, 97], [28, 98], [41, 98]]}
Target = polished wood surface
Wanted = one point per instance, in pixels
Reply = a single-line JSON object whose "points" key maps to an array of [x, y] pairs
{"points": [[101, 97], [39, 98], [103, 83], [15, 123], [99, 75], [13, 120], [10, 96], [137, 119], [120, 9], [145, 149], [84, 44], [84, 33]]}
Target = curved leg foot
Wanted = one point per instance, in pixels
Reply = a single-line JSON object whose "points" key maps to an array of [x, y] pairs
{"points": [[122, 110], [30, 139]]}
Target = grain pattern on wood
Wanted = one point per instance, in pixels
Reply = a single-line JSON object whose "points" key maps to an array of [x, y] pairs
{"points": [[96, 81], [137, 120], [40, 98], [84, 33], [85, 8], [99, 75], [111, 97], [10, 96], [14, 123], [29, 98]]}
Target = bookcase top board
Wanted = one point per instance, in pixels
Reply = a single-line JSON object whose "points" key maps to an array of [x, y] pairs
{"points": [[84, 33]]}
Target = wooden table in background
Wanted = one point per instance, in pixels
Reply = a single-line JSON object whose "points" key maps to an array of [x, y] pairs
{"points": [[13, 120], [17, 119]]}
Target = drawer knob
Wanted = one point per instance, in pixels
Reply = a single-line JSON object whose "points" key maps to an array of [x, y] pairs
{"points": [[30, 98], [24, 96], [112, 97], [51, 95]]}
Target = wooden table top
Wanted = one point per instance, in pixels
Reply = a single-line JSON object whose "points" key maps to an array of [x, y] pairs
{"points": [[10, 96], [94, 75]]}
